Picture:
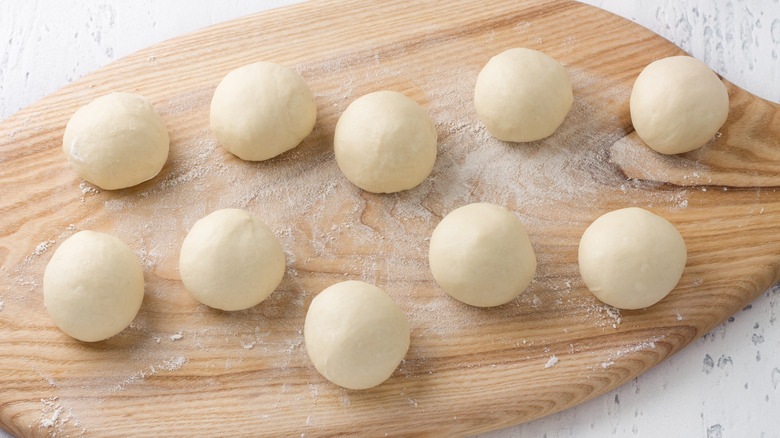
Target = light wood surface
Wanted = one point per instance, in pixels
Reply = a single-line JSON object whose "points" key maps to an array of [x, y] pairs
{"points": [[183, 369]]}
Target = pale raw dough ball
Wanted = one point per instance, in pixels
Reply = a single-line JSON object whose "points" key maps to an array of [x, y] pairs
{"points": [[385, 142], [116, 141], [261, 110], [522, 95], [481, 255], [230, 260], [631, 258], [355, 334], [678, 104], [93, 286]]}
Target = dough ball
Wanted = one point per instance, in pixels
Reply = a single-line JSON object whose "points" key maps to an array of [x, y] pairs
{"points": [[230, 260], [385, 142], [481, 255], [116, 141], [678, 104], [355, 334], [522, 95], [93, 286], [261, 110], [631, 258]]}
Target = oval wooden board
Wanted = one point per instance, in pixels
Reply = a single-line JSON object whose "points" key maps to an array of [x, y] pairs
{"points": [[183, 369]]}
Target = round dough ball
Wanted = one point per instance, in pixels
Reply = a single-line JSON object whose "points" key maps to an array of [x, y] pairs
{"points": [[230, 260], [385, 142], [261, 110], [678, 104], [631, 258], [522, 95], [355, 334], [481, 255], [93, 286], [116, 141]]}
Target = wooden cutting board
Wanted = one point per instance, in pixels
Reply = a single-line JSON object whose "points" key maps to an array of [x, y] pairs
{"points": [[183, 369]]}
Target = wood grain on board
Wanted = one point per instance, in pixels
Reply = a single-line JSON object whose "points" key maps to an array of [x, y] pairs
{"points": [[184, 369]]}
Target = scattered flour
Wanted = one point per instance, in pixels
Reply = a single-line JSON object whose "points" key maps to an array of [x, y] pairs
{"points": [[49, 422], [87, 189], [248, 345], [614, 313], [172, 364], [642, 346], [39, 250], [604, 315], [54, 415], [43, 247]]}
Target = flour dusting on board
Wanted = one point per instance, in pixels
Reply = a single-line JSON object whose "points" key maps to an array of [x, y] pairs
{"points": [[170, 364], [649, 345], [55, 417]]}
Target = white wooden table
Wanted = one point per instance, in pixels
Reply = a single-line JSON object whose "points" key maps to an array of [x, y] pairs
{"points": [[726, 384]]}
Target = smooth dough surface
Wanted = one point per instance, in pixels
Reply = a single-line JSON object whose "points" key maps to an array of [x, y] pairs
{"points": [[481, 255], [93, 286], [678, 104], [261, 110], [522, 95], [230, 260], [631, 258], [116, 141], [355, 334], [385, 142]]}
